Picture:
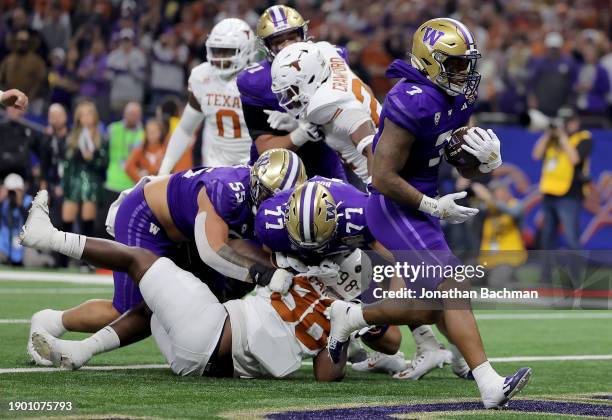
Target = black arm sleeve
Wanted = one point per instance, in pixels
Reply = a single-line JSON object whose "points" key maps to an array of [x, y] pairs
{"points": [[584, 149], [257, 122]]}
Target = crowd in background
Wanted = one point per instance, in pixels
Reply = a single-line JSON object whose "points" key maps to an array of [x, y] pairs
{"points": [[106, 78]]}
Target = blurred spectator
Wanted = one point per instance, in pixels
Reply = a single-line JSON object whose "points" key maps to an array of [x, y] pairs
{"points": [[13, 212], [55, 29], [23, 69], [94, 80], [565, 151], [127, 65], [551, 77], [168, 59], [124, 136], [146, 159], [17, 142], [62, 76], [53, 151], [592, 84], [169, 114], [501, 246], [84, 165]]}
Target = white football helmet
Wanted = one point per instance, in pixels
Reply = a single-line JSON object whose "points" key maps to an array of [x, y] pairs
{"points": [[230, 46], [297, 72]]}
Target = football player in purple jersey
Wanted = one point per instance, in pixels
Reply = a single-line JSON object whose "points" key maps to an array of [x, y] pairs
{"points": [[205, 205], [268, 124], [434, 97], [325, 217]]}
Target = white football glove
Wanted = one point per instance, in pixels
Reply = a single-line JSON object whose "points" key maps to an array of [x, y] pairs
{"points": [[485, 146], [281, 120], [281, 281], [282, 260], [306, 132], [327, 272], [445, 208]]}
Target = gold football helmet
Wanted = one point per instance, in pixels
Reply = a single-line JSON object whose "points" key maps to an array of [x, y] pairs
{"points": [[277, 21], [445, 50], [311, 216], [276, 170]]}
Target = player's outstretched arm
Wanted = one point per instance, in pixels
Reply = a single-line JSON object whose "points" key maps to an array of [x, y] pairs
{"points": [[15, 98], [181, 137], [213, 244]]}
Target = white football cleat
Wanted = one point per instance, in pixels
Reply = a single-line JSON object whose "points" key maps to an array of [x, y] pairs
{"points": [[423, 363], [40, 323], [382, 363], [460, 367], [355, 352], [65, 353], [38, 229], [499, 392]]}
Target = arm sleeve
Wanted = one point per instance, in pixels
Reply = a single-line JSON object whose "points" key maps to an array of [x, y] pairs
{"points": [[584, 149], [180, 139], [257, 122]]}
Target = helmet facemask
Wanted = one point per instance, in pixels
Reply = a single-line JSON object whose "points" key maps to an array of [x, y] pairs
{"points": [[272, 44], [458, 75]]}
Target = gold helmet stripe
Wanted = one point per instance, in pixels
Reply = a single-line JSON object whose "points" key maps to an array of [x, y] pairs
{"points": [[307, 210]]}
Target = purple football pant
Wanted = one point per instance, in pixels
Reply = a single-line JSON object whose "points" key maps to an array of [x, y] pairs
{"points": [[136, 225], [412, 236]]}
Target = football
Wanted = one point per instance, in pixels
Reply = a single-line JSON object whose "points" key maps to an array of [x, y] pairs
{"points": [[455, 155]]}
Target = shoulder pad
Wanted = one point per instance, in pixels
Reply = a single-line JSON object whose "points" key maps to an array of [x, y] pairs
{"points": [[198, 74]]}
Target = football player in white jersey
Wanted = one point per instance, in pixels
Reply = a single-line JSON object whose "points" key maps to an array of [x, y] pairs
{"points": [[266, 334], [314, 84], [214, 99]]}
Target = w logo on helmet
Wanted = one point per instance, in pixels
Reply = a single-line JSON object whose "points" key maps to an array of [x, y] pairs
{"points": [[432, 36], [330, 211]]}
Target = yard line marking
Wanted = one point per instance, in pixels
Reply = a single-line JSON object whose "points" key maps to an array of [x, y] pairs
{"points": [[565, 315], [101, 368], [14, 321], [309, 363], [56, 277], [55, 291]]}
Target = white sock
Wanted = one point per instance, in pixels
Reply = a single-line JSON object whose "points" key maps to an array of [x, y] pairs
{"points": [[55, 326], [104, 340], [486, 376], [425, 338], [69, 244]]}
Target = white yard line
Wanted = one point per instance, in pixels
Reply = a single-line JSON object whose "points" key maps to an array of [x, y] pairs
{"points": [[55, 291], [309, 363], [14, 321], [56, 277], [594, 314]]}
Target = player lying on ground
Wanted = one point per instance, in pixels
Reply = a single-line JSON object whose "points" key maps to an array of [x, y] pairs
{"points": [[214, 99], [278, 27], [202, 205], [324, 217], [264, 335], [315, 85], [434, 97]]}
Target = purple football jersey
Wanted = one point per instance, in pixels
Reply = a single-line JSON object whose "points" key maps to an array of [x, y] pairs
{"points": [[422, 108], [227, 188], [352, 232]]}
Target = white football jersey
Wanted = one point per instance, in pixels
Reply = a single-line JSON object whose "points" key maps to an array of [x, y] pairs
{"points": [[271, 334], [331, 107], [225, 140]]}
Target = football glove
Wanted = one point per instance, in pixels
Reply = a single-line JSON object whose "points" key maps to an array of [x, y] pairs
{"points": [[485, 146], [281, 120], [445, 208], [306, 132]]}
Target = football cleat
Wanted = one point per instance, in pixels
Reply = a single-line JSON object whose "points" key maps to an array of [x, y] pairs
{"points": [[461, 368], [499, 395], [38, 229], [356, 353], [340, 329], [424, 362], [67, 354], [382, 363], [38, 324]]}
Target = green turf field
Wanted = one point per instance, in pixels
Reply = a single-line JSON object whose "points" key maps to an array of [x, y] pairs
{"points": [[156, 393]]}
